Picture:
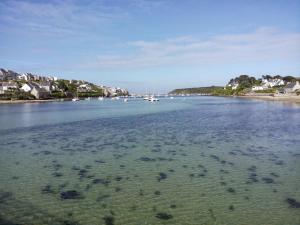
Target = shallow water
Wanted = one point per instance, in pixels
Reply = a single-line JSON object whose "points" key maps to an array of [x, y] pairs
{"points": [[200, 160]]}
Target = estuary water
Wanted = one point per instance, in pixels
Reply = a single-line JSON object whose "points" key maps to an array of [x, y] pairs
{"points": [[195, 160]]}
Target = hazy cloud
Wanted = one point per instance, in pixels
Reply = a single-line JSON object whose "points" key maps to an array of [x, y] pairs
{"points": [[262, 44], [57, 17]]}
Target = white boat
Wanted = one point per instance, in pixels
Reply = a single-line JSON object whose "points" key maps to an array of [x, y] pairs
{"points": [[153, 99], [171, 97], [115, 98], [88, 98], [100, 98], [146, 98], [125, 99], [75, 99]]}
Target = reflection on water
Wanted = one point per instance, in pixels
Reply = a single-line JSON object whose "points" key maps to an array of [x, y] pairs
{"points": [[200, 161]]}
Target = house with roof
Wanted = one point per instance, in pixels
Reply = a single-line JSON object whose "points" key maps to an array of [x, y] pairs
{"points": [[271, 82], [292, 87], [23, 77], [259, 88], [27, 87], [233, 86], [39, 93], [46, 85], [84, 88], [9, 86]]}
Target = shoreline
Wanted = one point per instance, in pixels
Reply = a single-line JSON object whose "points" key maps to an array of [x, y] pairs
{"points": [[285, 99], [32, 101]]}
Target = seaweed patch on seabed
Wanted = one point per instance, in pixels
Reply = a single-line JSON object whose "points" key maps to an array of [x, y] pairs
{"points": [[293, 203], [48, 189], [4, 196], [71, 194], [163, 216], [109, 220], [147, 159], [267, 180], [231, 190], [101, 181], [162, 176]]}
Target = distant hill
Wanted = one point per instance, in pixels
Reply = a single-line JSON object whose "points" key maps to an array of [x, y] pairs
{"points": [[197, 90]]}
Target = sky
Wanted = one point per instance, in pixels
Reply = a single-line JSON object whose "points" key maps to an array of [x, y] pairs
{"points": [[151, 46]]}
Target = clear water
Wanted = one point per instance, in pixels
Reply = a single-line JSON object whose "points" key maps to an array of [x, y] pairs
{"points": [[201, 160]]}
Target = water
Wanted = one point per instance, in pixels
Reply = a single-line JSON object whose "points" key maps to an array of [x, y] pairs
{"points": [[201, 160]]}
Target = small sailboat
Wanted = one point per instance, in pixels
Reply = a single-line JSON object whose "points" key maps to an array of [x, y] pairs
{"points": [[115, 98], [153, 99], [125, 99], [75, 99], [100, 98]]}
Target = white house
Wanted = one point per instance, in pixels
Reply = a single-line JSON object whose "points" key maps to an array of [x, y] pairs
{"points": [[272, 82], [292, 87], [23, 77], [45, 85], [233, 86], [26, 87], [258, 88], [84, 88], [9, 86]]}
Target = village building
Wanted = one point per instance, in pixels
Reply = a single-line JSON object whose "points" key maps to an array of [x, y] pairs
{"points": [[259, 88], [233, 86], [23, 77], [292, 87], [46, 85], [27, 87], [269, 83], [84, 88], [39, 93], [9, 86]]}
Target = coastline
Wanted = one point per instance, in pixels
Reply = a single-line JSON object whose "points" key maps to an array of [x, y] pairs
{"points": [[32, 101], [287, 99]]}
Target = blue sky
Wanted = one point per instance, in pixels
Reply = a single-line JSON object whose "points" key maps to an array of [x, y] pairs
{"points": [[151, 45]]}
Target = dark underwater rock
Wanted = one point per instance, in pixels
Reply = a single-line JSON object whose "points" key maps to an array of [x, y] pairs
{"points": [[293, 203], [101, 181], [157, 193], [252, 168], [268, 180], [72, 194], [6, 222], [109, 220], [164, 216], [231, 190], [215, 157], [173, 206], [147, 159], [162, 176], [5, 196]]}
